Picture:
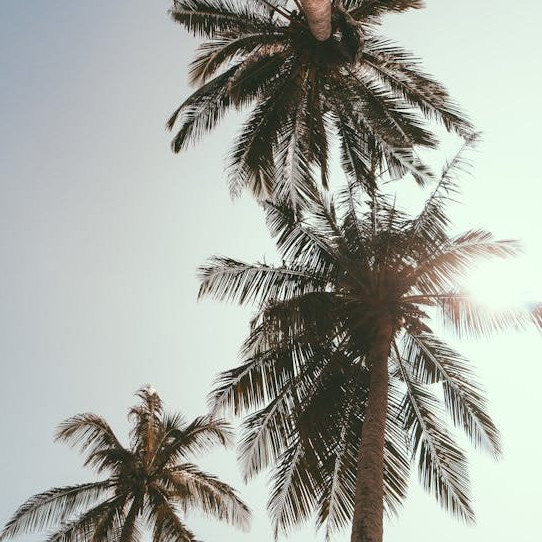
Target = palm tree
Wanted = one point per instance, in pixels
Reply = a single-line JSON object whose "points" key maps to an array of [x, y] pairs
{"points": [[149, 482], [356, 84], [341, 364]]}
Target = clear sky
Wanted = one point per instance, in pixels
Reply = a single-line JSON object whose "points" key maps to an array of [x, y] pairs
{"points": [[102, 228]]}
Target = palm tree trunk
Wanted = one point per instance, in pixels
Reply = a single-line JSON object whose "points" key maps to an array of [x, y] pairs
{"points": [[318, 13], [367, 525]]}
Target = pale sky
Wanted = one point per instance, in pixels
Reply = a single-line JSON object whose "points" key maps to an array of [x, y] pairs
{"points": [[102, 228]]}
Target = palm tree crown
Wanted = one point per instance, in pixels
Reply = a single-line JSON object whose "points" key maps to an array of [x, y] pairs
{"points": [[150, 482], [366, 89], [342, 342]]}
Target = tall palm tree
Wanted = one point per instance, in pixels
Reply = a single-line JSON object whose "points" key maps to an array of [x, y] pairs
{"points": [[151, 482], [356, 84], [341, 364]]}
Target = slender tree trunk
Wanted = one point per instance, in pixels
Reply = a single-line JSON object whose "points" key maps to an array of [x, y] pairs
{"points": [[318, 13], [367, 525]]}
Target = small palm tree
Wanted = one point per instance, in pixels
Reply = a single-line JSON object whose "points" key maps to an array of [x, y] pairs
{"points": [[341, 364], [149, 483], [357, 85]]}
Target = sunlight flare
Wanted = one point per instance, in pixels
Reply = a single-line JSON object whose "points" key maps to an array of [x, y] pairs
{"points": [[502, 284]]}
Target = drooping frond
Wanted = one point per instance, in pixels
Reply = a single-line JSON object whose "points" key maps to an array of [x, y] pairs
{"points": [[399, 71], [101, 523], [199, 113], [336, 504], [396, 452], [208, 494], [293, 494], [224, 49], [91, 433], [431, 361], [167, 525], [252, 160], [131, 531], [442, 466], [52, 507]]}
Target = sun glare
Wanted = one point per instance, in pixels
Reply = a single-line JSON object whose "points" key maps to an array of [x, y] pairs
{"points": [[504, 284]]}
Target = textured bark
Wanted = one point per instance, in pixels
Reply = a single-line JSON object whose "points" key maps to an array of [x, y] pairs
{"points": [[367, 525], [318, 13]]}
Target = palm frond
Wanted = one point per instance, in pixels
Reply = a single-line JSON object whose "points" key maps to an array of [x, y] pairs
{"points": [[228, 279], [295, 182], [200, 112], [442, 466], [130, 529], [433, 218], [167, 525], [310, 247], [89, 432], [252, 160], [209, 17], [336, 505], [52, 507], [399, 70], [107, 518], [226, 48], [431, 361], [293, 491], [201, 435], [396, 452], [444, 264], [208, 494]]}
